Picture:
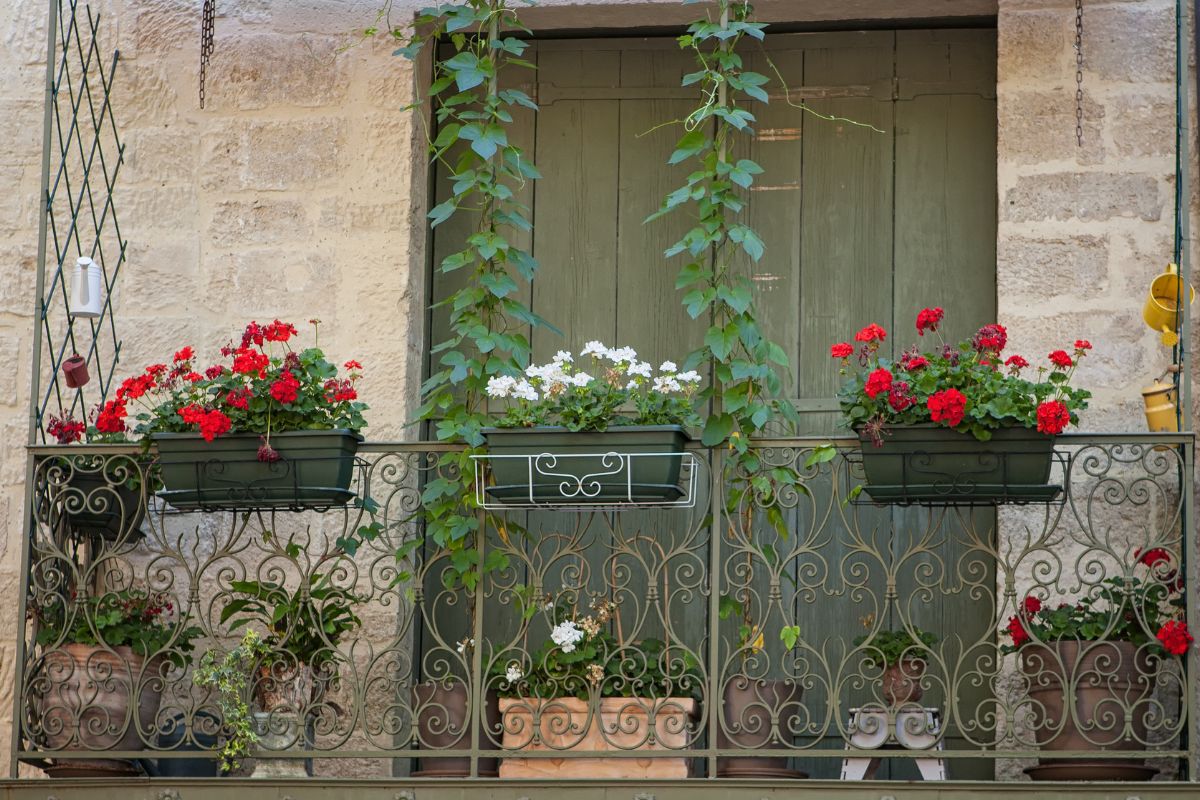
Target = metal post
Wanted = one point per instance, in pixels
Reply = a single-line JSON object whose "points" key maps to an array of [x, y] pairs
{"points": [[716, 511]]}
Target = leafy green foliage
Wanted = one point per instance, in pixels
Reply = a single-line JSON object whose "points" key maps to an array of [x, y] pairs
{"points": [[487, 321], [888, 648], [147, 623], [230, 678]]}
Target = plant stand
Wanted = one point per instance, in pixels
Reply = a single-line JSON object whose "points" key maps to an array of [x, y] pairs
{"points": [[278, 732], [876, 729], [617, 724]]}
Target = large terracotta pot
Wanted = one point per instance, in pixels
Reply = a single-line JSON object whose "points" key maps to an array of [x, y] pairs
{"points": [[1081, 694], [901, 683], [622, 724], [758, 713], [86, 704], [440, 708]]}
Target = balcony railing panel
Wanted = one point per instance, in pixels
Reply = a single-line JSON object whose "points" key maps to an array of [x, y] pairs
{"points": [[707, 634]]}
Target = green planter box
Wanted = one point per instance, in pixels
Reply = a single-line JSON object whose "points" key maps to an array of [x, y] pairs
{"points": [[627, 464], [101, 497], [932, 464], [315, 470]]}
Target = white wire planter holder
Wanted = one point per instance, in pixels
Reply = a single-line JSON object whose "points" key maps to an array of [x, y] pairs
{"points": [[550, 483]]}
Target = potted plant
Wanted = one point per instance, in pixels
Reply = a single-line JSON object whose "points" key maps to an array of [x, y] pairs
{"points": [[585, 689], [104, 662], [275, 427], [97, 494], [1090, 666], [958, 422], [611, 432], [290, 669], [900, 656]]}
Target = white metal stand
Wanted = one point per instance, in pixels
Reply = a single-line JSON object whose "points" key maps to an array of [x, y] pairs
{"points": [[910, 729]]}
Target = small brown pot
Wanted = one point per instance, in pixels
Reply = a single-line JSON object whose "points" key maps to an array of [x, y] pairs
{"points": [[443, 724], [75, 371], [1106, 681], [85, 705], [750, 707], [901, 683]]}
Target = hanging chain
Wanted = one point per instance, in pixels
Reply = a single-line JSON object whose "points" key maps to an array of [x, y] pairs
{"points": [[207, 27], [1079, 73]]}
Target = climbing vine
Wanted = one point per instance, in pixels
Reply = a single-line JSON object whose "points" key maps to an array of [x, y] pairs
{"points": [[485, 170], [745, 384]]}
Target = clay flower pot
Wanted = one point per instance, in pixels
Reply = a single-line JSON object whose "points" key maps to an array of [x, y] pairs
{"points": [[75, 372], [901, 682], [614, 724], [758, 713], [444, 724]]}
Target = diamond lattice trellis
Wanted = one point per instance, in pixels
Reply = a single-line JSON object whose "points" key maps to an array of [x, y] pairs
{"points": [[84, 154]]}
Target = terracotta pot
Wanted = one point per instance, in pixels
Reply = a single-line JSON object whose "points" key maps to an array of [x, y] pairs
{"points": [[440, 709], [1081, 693], [86, 700], [286, 687], [901, 683], [75, 372], [758, 713], [619, 724]]}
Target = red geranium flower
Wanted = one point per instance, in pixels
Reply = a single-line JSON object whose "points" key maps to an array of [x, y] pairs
{"points": [[1175, 637], [929, 319], [286, 388], [253, 334], [215, 371], [65, 431], [353, 365], [1015, 363], [871, 333], [1052, 417], [247, 361], [948, 405], [878, 382], [915, 363], [1152, 557], [239, 398], [339, 391], [213, 424], [279, 331], [185, 354], [990, 337], [1031, 606], [899, 397], [1081, 345], [839, 350], [1017, 631], [193, 377], [111, 417], [1061, 359]]}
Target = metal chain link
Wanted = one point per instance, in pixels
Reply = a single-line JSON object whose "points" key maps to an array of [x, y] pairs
{"points": [[207, 27], [1079, 73]]}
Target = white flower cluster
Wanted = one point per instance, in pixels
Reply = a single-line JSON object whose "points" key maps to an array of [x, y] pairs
{"points": [[508, 386], [566, 635], [560, 374], [513, 673]]}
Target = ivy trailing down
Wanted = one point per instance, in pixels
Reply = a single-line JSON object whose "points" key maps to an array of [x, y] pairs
{"points": [[487, 320], [745, 384]]}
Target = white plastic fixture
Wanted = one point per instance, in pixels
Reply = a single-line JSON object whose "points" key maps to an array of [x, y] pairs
{"points": [[88, 297]]}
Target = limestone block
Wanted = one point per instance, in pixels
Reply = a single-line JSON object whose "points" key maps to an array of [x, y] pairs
{"points": [[10, 355], [19, 264], [155, 210], [255, 71], [1143, 123], [1084, 196], [284, 283], [159, 156], [259, 222], [1130, 42], [293, 155], [18, 202], [1033, 46], [1034, 127], [21, 129], [1046, 268], [164, 26]]}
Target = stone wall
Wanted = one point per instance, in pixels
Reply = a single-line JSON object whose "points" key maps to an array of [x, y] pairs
{"points": [[298, 191]]}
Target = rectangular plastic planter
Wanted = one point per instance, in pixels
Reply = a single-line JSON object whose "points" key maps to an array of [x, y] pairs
{"points": [[626, 464], [933, 464], [314, 471]]}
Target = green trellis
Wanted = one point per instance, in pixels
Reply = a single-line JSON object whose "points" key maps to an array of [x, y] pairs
{"points": [[82, 154]]}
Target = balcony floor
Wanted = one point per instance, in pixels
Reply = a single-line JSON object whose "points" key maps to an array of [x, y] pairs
{"points": [[412, 789]]}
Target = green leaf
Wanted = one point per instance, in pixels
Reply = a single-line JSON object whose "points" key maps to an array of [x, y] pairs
{"points": [[442, 212], [717, 429], [689, 145], [789, 635]]}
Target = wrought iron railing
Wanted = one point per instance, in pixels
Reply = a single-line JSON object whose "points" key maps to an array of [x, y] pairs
{"points": [[704, 640]]}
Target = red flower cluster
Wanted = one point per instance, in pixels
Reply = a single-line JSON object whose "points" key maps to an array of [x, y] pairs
{"points": [[66, 430], [1015, 363], [1061, 359], [286, 388], [211, 422], [1081, 345], [353, 365], [929, 319], [135, 387], [278, 331], [1031, 605], [990, 337], [186, 354], [1016, 629], [839, 350], [239, 398], [871, 333], [248, 361], [900, 397], [948, 405], [878, 382], [111, 417], [1152, 557], [1053, 417], [340, 391], [266, 453], [1174, 637]]}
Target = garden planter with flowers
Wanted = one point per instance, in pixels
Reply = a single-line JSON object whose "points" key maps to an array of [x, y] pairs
{"points": [[275, 427], [1091, 666], [613, 432], [958, 424]]}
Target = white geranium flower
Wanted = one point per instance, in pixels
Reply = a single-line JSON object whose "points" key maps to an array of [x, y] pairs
{"points": [[524, 390], [665, 384], [464, 644], [631, 385], [580, 379], [563, 357], [668, 366], [622, 355], [501, 385], [513, 673], [566, 635], [691, 376], [594, 348], [639, 368]]}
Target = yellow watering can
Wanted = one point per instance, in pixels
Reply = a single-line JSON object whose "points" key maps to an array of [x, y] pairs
{"points": [[1161, 312], [1161, 400]]}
